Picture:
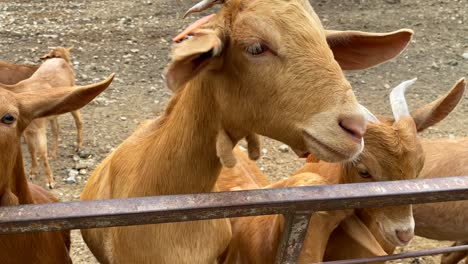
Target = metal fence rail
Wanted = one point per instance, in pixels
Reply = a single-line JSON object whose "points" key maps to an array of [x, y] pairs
{"points": [[297, 204]]}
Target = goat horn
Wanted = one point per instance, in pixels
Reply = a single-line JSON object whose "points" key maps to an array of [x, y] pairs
{"points": [[398, 101], [203, 5], [368, 115]]}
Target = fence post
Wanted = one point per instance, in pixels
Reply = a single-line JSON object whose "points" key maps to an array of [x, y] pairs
{"points": [[294, 232]]}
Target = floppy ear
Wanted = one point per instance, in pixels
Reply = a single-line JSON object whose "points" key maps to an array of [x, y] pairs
{"points": [[191, 56], [49, 55], [434, 112], [56, 101], [355, 50], [356, 233]]}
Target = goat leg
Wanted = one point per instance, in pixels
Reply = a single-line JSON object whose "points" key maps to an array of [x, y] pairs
{"points": [[253, 146], [224, 146], [79, 129], [55, 136]]}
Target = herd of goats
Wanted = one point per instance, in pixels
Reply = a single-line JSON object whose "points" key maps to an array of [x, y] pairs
{"points": [[261, 67]]}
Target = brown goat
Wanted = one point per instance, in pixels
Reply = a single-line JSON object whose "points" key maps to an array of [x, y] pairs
{"points": [[17, 110], [56, 71], [253, 68], [431, 220], [255, 239], [13, 73]]}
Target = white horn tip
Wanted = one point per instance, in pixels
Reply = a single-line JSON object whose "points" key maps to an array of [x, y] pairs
{"points": [[408, 83]]}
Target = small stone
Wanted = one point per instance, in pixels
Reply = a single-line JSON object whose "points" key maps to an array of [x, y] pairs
{"points": [[452, 63], [123, 118], [284, 148], [435, 66], [76, 158], [72, 173], [84, 154], [135, 50], [387, 86], [84, 164], [264, 151], [83, 172], [71, 176], [70, 180], [465, 55]]}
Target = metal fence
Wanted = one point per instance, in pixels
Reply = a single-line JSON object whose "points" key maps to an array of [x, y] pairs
{"points": [[296, 204]]}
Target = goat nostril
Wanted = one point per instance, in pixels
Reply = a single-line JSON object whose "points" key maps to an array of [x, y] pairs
{"points": [[404, 236], [355, 126]]}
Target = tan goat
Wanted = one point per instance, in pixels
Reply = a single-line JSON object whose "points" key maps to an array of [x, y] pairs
{"points": [[432, 220], [17, 110], [13, 73], [253, 68], [445, 157], [56, 71], [255, 239]]}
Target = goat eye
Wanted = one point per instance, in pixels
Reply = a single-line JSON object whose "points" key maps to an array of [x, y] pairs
{"points": [[364, 174], [8, 119], [256, 49]]}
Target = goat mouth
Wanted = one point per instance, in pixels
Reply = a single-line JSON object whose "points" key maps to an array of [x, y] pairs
{"points": [[317, 143], [392, 238]]}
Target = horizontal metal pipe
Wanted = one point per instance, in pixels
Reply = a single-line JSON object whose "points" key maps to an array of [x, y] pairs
{"points": [[177, 208], [413, 254]]}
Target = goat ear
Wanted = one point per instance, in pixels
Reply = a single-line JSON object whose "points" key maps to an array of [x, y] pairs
{"points": [[355, 50], [434, 112], [360, 236], [49, 55], [56, 101], [191, 56]]}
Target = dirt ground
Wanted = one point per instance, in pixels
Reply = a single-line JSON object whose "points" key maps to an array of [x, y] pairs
{"points": [[132, 38]]}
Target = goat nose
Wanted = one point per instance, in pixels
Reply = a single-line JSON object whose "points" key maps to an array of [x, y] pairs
{"points": [[354, 125], [405, 236]]}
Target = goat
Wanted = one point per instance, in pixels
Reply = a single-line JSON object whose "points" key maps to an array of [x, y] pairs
{"points": [[256, 239], [390, 145], [445, 157], [17, 110], [12, 73], [232, 74], [437, 161], [56, 71]]}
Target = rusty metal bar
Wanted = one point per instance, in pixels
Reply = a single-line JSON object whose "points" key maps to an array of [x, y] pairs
{"points": [[177, 208], [292, 238], [414, 254]]}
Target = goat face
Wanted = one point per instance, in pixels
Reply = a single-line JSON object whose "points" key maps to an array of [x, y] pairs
{"points": [[9, 136], [392, 152], [273, 72]]}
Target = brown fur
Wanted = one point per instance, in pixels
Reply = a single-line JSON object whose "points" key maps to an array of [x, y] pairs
{"points": [[17, 110], [220, 86], [13, 73], [445, 158], [431, 219], [56, 71], [402, 149], [255, 239]]}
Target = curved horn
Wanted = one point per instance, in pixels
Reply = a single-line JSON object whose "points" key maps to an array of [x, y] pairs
{"points": [[398, 101], [203, 5], [368, 115]]}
